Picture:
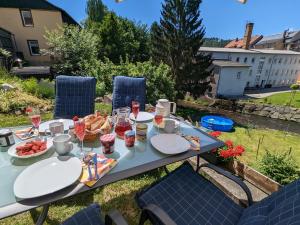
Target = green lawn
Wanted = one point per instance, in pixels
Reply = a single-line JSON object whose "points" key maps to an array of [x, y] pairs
{"points": [[120, 195], [281, 99]]}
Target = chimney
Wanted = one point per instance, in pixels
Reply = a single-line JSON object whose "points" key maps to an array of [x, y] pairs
{"points": [[247, 36]]}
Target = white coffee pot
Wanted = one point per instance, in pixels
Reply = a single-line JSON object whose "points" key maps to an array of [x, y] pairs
{"points": [[165, 107]]}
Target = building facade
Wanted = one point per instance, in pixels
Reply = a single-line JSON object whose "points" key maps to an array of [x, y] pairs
{"points": [[27, 22], [267, 68]]}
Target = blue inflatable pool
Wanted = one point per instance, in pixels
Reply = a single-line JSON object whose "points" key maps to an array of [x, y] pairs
{"points": [[217, 123]]}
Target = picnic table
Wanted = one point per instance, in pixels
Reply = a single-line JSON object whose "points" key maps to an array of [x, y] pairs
{"points": [[140, 159]]}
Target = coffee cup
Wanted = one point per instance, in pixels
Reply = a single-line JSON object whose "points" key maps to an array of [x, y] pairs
{"points": [[56, 128], [63, 144], [170, 126]]}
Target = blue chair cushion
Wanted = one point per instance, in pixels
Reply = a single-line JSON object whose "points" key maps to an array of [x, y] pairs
{"points": [[188, 198], [75, 96], [280, 208], [88, 216], [128, 89]]}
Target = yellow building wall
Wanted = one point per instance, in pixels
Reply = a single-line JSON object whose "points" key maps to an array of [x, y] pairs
{"points": [[10, 19]]}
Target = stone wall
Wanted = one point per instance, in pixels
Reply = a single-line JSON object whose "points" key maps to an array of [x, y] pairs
{"points": [[272, 111]]}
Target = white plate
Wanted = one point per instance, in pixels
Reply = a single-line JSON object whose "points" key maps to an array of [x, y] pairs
{"points": [[47, 176], [142, 117], [13, 152], [170, 143], [45, 126]]}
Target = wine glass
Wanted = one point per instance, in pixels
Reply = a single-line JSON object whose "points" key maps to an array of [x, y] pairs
{"points": [[135, 107], [79, 127], [158, 119], [35, 117]]}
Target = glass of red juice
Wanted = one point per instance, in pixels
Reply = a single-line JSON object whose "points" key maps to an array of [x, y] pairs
{"points": [[158, 118], [135, 108], [79, 128], [35, 118]]}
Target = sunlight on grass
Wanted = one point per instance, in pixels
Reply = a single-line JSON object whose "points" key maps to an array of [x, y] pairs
{"points": [[281, 99]]}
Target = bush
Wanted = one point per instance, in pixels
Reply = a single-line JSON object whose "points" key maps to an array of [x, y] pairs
{"points": [[100, 89], [43, 89], [280, 167], [158, 80], [18, 100]]}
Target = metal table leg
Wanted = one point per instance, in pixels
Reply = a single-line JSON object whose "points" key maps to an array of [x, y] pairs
{"points": [[42, 217], [198, 163]]}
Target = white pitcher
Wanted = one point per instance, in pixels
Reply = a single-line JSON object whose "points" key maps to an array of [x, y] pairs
{"points": [[167, 106]]}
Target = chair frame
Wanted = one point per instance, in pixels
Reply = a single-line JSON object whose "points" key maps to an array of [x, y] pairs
{"points": [[153, 211]]}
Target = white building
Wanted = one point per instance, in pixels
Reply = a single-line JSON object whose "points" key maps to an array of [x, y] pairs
{"points": [[267, 68]]}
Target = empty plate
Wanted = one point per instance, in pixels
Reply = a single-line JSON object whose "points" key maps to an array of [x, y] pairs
{"points": [[170, 143], [47, 176], [142, 117], [45, 126]]}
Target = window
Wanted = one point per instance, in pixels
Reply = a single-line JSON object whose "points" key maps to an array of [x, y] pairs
{"points": [[295, 61], [260, 65], [287, 72], [245, 60], [266, 74], [270, 60], [238, 59], [279, 61], [34, 48], [296, 71], [276, 73], [238, 75], [285, 61], [299, 61], [275, 60], [292, 71], [26, 17], [291, 61], [253, 60], [250, 72]]}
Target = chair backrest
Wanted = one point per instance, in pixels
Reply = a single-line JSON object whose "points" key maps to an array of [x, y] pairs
{"points": [[75, 96], [128, 89], [281, 207]]}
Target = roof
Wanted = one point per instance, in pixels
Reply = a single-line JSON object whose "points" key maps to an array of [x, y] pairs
{"points": [[253, 51], [275, 37], [37, 4], [238, 43], [227, 63]]}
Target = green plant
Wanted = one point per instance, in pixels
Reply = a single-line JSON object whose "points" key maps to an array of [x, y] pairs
{"points": [[43, 89], [176, 42], [73, 49], [100, 89], [280, 167], [158, 80]]}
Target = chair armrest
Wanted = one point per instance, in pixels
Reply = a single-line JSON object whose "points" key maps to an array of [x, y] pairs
{"points": [[236, 179], [115, 217], [157, 212]]}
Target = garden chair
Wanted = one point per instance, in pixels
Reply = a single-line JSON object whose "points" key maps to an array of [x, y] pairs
{"points": [[185, 197], [128, 89], [75, 96], [92, 216]]}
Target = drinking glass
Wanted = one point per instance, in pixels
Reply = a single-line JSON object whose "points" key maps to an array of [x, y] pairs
{"points": [[79, 127], [35, 117], [158, 119], [135, 107]]}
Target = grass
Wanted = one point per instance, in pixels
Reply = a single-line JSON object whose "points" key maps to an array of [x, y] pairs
{"points": [[274, 141], [120, 195], [281, 99]]}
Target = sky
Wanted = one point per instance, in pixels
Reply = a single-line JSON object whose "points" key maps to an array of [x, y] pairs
{"points": [[222, 18]]}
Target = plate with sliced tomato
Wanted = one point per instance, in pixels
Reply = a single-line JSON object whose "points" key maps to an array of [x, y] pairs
{"points": [[30, 148]]}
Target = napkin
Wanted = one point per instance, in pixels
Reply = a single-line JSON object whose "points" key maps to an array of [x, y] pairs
{"points": [[194, 141], [104, 165], [26, 133]]}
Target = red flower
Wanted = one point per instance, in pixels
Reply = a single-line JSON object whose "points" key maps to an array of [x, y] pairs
{"points": [[215, 134], [239, 150], [229, 143], [28, 110], [227, 153], [75, 118]]}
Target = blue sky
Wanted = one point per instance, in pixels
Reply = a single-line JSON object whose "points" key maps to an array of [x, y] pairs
{"points": [[222, 18]]}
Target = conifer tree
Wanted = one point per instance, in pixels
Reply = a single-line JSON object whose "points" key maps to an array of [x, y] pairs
{"points": [[176, 41]]}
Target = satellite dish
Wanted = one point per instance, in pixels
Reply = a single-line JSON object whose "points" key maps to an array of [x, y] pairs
{"points": [[243, 1]]}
